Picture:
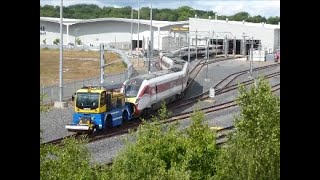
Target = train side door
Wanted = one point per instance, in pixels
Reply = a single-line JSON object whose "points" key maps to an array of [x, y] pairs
{"points": [[153, 94], [108, 101]]}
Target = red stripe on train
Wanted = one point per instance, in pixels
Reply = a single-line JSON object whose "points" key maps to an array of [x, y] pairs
{"points": [[161, 87]]}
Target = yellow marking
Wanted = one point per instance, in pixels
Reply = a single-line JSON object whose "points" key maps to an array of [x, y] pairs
{"points": [[209, 100], [216, 128], [131, 100]]}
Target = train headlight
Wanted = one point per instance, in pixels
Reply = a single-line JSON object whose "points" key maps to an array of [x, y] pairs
{"points": [[137, 100]]}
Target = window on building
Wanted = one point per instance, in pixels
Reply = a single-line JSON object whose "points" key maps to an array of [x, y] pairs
{"points": [[42, 28]]}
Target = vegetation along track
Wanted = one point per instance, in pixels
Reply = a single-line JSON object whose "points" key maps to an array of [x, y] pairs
{"points": [[221, 138]]}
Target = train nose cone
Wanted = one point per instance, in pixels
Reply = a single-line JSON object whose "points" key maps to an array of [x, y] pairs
{"points": [[144, 101], [136, 112]]}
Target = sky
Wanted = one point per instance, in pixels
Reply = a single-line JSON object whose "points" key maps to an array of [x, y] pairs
{"points": [[265, 8]]}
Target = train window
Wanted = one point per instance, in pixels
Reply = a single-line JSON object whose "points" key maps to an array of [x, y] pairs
{"points": [[114, 103], [173, 84], [147, 90], [103, 99], [119, 102], [153, 91], [132, 87], [87, 100], [109, 101]]}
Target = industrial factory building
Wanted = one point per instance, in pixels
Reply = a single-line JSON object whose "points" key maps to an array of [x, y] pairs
{"points": [[235, 33], [117, 32], [114, 31]]}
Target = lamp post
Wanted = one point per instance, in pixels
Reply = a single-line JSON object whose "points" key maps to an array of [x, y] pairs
{"points": [[61, 53], [196, 44], [75, 37], [207, 61], [244, 44], [138, 29], [251, 57], [151, 40], [131, 32], [189, 47], [60, 104], [216, 45]]}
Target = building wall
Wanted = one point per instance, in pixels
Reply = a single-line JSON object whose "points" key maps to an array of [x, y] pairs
{"points": [[266, 35], [277, 39], [51, 32], [95, 33], [166, 37], [100, 32]]}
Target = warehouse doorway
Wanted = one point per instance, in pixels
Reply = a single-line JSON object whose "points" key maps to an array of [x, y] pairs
{"points": [[238, 48], [256, 44], [135, 44]]}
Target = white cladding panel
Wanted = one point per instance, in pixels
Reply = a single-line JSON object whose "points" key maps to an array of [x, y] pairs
{"points": [[51, 31], [277, 38], [103, 32], [258, 32]]}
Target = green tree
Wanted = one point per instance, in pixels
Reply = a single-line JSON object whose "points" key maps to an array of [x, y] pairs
{"points": [[85, 11], [184, 13], [257, 19], [273, 20], [43, 107], [254, 150], [145, 13], [158, 151], [71, 161], [78, 41], [56, 41], [239, 16], [44, 41], [48, 11]]}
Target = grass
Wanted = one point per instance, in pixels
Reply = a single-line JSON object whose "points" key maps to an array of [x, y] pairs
{"points": [[77, 65]]}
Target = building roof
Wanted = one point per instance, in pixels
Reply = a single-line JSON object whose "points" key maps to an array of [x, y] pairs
{"points": [[155, 23], [271, 26], [57, 20]]}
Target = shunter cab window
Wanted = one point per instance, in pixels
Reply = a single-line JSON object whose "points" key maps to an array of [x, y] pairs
{"points": [[87, 100], [132, 87], [119, 103], [103, 99]]}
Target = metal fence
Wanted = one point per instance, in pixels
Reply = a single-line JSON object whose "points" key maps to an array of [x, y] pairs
{"points": [[52, 92]]}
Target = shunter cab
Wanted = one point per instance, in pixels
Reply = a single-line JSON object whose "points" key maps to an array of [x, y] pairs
{"points": [[98, 107]]}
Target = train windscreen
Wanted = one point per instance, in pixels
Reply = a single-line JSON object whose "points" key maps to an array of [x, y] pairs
{"points": [[87, 100], [132, 87]]}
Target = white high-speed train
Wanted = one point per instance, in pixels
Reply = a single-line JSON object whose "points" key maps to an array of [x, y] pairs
{"points": [[167, 58], [146, 92]]}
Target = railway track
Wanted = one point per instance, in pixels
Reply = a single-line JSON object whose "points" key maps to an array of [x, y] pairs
{"points": [[195, 71], [133, 125], [210, 109], [201, 62], [221, 85], [124, 129]]}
